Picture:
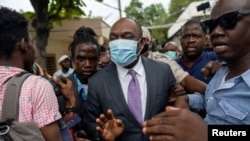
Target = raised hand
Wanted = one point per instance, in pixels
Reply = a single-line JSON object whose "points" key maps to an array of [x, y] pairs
{"points": [[108, 126]]}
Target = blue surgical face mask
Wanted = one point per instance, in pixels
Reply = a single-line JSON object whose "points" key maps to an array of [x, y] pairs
{"points": [[123, 52], [171, 54]]}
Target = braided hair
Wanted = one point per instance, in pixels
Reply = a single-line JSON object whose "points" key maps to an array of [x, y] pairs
{"points": [[83, 35]]}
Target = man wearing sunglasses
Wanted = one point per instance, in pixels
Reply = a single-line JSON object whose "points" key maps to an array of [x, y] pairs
{"points": [[228, 93]]}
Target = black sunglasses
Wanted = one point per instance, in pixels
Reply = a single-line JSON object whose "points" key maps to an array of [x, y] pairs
{"points": [[226, 21]]}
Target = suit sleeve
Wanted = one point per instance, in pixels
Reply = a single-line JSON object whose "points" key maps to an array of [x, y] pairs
{"points": [[93, 111]]}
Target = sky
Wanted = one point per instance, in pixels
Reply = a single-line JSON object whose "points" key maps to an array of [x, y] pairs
{"points": [[108, 9]]}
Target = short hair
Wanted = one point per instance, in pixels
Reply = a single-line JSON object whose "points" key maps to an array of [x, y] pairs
{"points": [[190, 22], [13, 27], [83, 35]]}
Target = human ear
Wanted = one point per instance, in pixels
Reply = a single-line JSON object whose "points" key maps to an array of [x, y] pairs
{"points": [[143, 40], [23, 45]]}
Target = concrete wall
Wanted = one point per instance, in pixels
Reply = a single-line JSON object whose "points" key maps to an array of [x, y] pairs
{"points": [[61, 36]]}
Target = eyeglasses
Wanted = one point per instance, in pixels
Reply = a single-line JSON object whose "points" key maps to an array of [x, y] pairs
{"points": [[226, 21]]}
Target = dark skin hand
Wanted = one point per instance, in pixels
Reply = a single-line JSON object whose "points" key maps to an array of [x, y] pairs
{"points": [[66, 87], [108, 126], [211, 68], [181, 102], [176, 124], [191, 85], [178, 91], [178, 98], [78, 134]]}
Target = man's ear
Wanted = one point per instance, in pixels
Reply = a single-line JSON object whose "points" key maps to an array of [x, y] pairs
{"points": [[23, 45], [143, 41]]}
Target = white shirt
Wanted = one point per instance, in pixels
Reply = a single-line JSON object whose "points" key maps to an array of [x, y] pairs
{"points": [[60, 72], [125, 78]]}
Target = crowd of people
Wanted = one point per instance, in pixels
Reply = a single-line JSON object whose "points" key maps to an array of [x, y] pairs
{"points": [[127, 91]]}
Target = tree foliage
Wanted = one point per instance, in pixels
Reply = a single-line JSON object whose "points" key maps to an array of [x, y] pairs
{"points": [[135, 10], [46, 14], [153, 14]]}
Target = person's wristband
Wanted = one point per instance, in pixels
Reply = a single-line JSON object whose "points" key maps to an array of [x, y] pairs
{"points": [[69, 109]]}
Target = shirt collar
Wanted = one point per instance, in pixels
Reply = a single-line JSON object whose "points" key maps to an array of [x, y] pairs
{"points": [[245, 76], [138, 68]]}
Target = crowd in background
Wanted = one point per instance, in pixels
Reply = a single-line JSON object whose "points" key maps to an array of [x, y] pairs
{"points": [[127, 90]]}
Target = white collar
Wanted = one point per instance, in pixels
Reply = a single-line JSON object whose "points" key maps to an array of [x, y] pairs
{"points": [[138, 68]]}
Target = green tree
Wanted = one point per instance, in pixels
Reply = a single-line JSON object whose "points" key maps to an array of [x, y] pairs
{"points": [[47, 13], [155, 14], [135, 11], [151, 15]]}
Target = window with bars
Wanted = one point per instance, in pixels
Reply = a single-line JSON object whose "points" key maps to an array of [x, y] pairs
{"points": [[51, 63]]}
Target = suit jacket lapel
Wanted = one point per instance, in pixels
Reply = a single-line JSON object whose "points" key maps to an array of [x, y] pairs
{"points": [[117, 94], [151, 87]]}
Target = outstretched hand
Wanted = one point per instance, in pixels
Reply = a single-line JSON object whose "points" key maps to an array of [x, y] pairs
{"points": [[176, 124], [108, 126]]}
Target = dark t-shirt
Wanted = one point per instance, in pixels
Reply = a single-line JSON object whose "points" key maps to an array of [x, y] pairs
{"points": [[195, 70]]}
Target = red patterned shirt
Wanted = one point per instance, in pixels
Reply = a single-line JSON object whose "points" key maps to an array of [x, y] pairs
{"points": [[37, 101]]}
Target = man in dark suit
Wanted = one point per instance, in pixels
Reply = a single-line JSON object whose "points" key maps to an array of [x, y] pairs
{"points": [[108, 88]]}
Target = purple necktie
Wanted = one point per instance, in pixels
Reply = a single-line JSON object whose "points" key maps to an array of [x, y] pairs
{"points": [[134, 97]]}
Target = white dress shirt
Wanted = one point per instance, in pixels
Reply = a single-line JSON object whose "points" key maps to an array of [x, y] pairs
{"points": [[125, 78]]}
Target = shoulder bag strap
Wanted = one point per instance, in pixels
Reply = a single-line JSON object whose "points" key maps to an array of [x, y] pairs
{"points": [[10, 107]]}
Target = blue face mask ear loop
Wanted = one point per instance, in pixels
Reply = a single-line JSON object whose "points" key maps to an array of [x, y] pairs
{"points": [[143, 49]]}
